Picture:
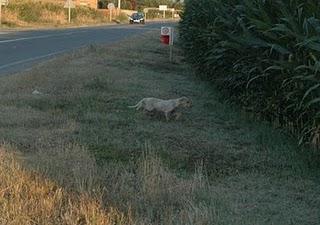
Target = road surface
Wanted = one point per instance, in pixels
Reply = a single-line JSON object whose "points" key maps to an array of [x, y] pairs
{"points": [[19, 50]]}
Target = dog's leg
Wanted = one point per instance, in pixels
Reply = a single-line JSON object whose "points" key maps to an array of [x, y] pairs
{"points": [[177, 115], [167, 114], [171, 112]]}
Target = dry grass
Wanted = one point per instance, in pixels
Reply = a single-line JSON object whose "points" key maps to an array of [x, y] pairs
{"points": [[152, 192], [155, 195], [213, 166], [28, 198], [26, 13]]}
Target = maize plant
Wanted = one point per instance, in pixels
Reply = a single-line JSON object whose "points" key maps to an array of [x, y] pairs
{"points": [[264, 54]]}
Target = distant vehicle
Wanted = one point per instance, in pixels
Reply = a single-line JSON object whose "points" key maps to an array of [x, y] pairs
{"points": [[137, 18]]}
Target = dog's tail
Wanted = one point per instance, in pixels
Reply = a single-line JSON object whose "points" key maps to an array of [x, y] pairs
{"points": [[137, 106]]}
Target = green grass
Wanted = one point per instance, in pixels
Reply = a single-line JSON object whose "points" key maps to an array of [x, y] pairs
{"points": [[215, 165]]}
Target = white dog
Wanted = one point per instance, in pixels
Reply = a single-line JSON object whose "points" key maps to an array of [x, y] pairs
{"points": [[163, 106]]}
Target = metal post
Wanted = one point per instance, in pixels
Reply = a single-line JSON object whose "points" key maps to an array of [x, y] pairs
{"points": [[69, 11], [0, 12], [171, 44], [119, 8]]}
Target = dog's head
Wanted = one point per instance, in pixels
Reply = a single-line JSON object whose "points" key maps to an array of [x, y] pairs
{"points": [[185, 102]]}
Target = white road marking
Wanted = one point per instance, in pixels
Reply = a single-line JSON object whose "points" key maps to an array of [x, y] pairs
{"points": [[39, 37], [31, 59], [50, 54]]}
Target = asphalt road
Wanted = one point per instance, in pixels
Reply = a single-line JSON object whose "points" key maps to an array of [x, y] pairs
{"points": [[20, 50]]}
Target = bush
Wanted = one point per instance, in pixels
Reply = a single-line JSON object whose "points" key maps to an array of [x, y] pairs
{"points": [[85, 12], [51, 7], [29, 12], [263, 54], [122, 17]]}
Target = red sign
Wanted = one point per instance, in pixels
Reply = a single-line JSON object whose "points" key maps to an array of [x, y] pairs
{"points": [[166, 35], [165, 39]]}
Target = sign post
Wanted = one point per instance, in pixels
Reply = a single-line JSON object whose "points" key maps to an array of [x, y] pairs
{"points": [[110, 7], [163, 8], [0, 12], [167, 38], [2, 2], [69, 12], [172, 12], [145, 13], [119, 4], [69, 4]]}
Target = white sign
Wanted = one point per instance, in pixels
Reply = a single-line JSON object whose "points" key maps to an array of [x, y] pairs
{"points": [[111, 6], [4, 2], [163, 7], [166, 30], [69, 4]]}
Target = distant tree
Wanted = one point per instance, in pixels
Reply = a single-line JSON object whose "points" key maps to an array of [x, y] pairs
{"points": [[129, 4], [154, 3], [138, 4], [103, 4], [133, 4]]}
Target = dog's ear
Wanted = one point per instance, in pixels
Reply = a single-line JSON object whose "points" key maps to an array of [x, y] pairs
{"points": [[181, 100], [184, 99]]}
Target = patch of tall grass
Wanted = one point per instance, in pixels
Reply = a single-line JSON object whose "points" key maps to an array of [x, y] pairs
{"points": [[29, 198], [263, 54], [147, 192], [145, 189]]}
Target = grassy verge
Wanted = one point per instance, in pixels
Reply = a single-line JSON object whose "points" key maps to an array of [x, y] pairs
{"points": [[35, 13], [213, 166]]}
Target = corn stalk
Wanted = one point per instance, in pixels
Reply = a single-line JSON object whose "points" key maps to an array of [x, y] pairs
{"points": [[264, 54]]}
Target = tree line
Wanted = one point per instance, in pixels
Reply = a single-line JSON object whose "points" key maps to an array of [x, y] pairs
{"points": [[140, 4]]}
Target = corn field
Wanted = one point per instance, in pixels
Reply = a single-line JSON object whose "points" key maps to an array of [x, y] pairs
{"points": [[263, 54]]}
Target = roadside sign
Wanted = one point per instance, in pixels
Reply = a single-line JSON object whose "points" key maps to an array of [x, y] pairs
{"points": [[167, 35], [145, 10], [111, 6], [163, 7], [167, 38], [69, 4], [166, 31]]}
